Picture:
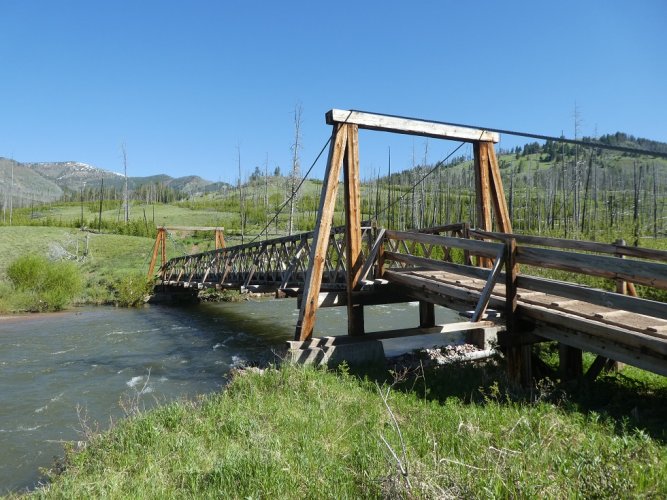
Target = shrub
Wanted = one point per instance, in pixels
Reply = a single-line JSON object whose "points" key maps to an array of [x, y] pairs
{"points": [[132, 290], [44, 285]]}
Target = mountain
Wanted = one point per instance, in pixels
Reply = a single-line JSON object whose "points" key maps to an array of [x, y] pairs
{"points": [[50, 181]]}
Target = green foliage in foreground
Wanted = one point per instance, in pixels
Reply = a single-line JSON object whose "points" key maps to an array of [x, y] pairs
{"points": [[38, 284], [132, 290], [303, 433]]}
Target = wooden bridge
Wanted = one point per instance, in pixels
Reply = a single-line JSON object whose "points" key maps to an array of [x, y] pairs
{"points": [[453, 266]]}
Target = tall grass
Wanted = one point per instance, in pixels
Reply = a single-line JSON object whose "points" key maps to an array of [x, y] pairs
{"points": [[298, 432], [43, 285]]}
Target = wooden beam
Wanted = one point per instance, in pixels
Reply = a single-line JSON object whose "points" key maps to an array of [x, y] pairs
{"points": [[318, 250], [353, 257], [485, 296], [485, 248], [194, 228], [498, 192], [410, 126], [646, 273]]}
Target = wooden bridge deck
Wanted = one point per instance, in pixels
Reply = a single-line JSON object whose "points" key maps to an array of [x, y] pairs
{"points": [[625, 336]]}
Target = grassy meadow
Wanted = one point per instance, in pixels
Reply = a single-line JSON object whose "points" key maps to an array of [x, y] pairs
{"points": [[299, 432]]}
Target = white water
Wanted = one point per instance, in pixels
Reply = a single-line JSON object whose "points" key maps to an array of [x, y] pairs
{"points": [[61, 373]]}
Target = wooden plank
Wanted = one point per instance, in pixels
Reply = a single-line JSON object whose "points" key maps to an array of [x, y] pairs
{"points": [[372, 255], [615, 334], [497, 192], [607, 348], [482, 186], [194, 228], [318, 251], [584, 246], [488, 287], [353, 257], [410, 126], [645, 273], [510, 285], [483, 248], [437, 292], [593, 295]]}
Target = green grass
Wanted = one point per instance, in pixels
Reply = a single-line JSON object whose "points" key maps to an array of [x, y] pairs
{"points": [[298, 432], [110, 259]]}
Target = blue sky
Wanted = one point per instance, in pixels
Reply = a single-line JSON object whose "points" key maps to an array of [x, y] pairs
{"points": [[185, 85]]}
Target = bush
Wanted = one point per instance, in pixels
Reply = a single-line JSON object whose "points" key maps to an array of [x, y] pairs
{"points": [[44, 285], [132, 290]]}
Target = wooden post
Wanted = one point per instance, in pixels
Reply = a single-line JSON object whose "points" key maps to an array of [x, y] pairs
{"points": [[160, 245], [353, 257], [219, 239], [519, 357], [306, 322], [483, 192], [426, 314], [498, 192], [571, 362]]}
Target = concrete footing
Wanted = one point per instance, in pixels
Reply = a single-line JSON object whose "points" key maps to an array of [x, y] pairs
{"points": [[331, 354]]}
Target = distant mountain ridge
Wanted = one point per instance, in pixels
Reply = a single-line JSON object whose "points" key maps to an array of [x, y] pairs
{"points": [[49, 181]]}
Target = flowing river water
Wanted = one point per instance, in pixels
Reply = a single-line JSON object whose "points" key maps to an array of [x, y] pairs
{"points": [[65, 372]]}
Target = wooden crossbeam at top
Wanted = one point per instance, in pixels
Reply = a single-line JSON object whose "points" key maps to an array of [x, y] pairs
{"points": [[410, 126], [193, 228]]}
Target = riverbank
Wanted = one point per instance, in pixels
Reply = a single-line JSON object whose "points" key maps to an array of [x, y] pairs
{"points": [[297, 432]]}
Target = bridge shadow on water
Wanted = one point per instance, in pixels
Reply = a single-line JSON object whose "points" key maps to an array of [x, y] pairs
{"points": [[629, 399]]}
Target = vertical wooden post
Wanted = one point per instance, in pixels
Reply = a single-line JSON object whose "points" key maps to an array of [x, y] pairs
{"points": [[482, 185], [306, 322], [519, 357], [426, 314], [498, 192], [219, 239], [571, 362], [483, 192], [353, 257], [160, 245]]}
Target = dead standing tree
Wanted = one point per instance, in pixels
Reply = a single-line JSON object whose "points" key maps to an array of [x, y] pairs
{"points": [[296, 167]]}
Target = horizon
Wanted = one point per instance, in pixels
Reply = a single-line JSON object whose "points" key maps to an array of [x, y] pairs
{"points": [[189, 89]]}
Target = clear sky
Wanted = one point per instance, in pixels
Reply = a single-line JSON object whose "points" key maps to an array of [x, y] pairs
{"points": [[186, 85]]}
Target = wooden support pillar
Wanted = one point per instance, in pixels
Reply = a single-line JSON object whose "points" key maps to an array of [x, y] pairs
{"points": [[482, 186], [306, 322], [159, 246], [219, 239], [426, 314], [489, 192], [571, 362], [353, 257]]}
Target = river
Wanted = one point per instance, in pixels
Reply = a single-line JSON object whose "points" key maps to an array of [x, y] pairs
{"points": [[64, 372]]}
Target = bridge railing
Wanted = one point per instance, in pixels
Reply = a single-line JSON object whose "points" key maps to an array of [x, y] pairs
{"points": [[278, 263]]}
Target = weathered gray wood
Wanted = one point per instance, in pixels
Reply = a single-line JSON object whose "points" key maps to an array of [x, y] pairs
{"points": [[488, 287], [193, 228], [411, 126], [372, 255], [607, 348], [483, 248], [614, 334], [645, 273], [594, 296], [306, 322], [426, 314], [584, 246]]}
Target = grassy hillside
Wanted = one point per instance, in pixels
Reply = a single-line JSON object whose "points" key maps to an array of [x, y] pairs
{"points": [[109, 258]]}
